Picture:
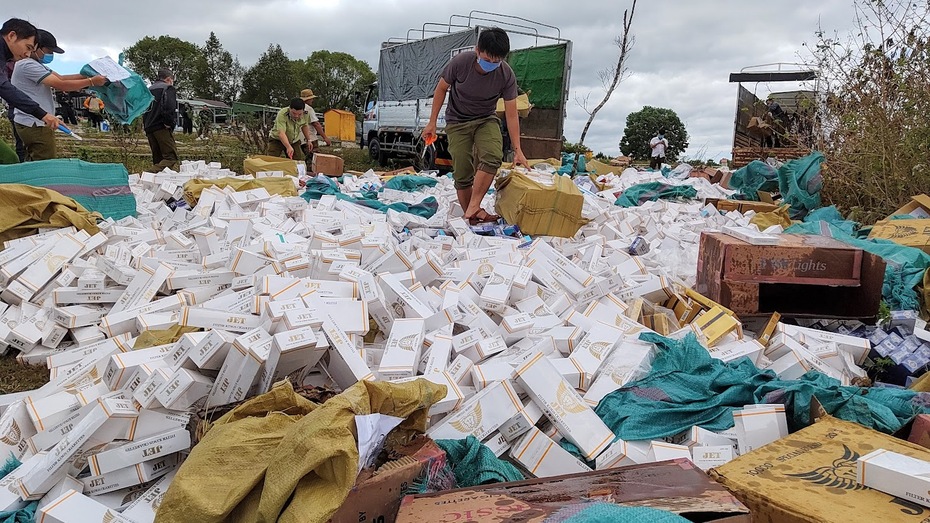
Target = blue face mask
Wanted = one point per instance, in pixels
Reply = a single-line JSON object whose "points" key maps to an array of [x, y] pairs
{"points": [[487, 66], [47, 59]]}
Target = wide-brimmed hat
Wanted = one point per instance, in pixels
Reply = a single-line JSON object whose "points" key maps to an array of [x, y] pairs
{"points": [[46, 40], [307, 95]]}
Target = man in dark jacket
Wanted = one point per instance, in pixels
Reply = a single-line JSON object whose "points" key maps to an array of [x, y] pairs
{"points": [[18, 41], [160, 121]]}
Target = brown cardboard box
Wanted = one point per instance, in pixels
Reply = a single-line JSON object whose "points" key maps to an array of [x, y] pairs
{"points": [[920, 203], [810, 476], [327, 164], [920, 431], [377, 496], [911, 233], [835, 279], [677, 486]]}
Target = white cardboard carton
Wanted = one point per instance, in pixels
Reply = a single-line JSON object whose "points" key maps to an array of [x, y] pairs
{"points": [[543, 458], [563, 406], [896, 474]]}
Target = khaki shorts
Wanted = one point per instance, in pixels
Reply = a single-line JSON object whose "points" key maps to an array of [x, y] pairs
{"points": [[39, 141], [477, 140]]}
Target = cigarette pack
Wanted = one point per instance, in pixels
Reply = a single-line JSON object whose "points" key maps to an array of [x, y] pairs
{"points": [[460, 370], [346, 365], [595, 348], [218, 319], [896, 474], [74, 507], [53, 465], [15, 429], [129, 476], [542, 457], [291, 351], [143, 508], [522, 422], [563, 406], [758, 425], [184, 390], [481, 415], [707, 457], [64, 485], [402, 350], [618, 454], [135, 452]]}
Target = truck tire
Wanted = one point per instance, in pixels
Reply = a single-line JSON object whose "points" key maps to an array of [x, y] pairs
{"points": [[375, 152]]}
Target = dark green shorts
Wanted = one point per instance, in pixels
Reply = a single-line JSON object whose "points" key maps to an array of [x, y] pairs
{"points": [[475, 142]]}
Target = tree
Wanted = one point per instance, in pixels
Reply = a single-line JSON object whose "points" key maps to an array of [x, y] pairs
{"points": [[149, 54], [334, 78], [871, 119], [625, 43], [271, 80], [643, 125], [215, 72]]}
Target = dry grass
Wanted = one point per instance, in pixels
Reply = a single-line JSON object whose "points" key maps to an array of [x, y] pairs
{"points": [[18, 378]]}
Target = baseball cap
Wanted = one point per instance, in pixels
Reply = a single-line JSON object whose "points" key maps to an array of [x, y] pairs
{"points": [[307, 95], [45, 39]]}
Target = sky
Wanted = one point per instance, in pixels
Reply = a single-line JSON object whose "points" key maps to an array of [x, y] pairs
{"points": [[683, 54]]}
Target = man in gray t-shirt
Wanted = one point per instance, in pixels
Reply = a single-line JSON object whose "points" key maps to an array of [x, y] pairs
{"points": [[477, 79]]}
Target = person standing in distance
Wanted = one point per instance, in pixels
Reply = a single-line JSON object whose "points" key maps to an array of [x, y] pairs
{"points": [[160, 121], [477, 79], [658, 145]]}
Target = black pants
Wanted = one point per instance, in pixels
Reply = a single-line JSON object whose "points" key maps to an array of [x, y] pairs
{"points": [[20, 145], [188, 125], [655, 162]]}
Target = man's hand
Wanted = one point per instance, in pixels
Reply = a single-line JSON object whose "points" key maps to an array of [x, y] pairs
{"points": [[328, 141], [51, 120], [520, 159], [429, 131], [98, 81], [290, 152]]}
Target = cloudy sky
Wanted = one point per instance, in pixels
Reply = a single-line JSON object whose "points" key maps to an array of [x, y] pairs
{"points": [[681, 60]]}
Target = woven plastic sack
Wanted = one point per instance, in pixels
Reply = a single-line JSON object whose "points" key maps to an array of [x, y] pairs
{"points": [[687, 387], [800, 183], [98, 187], [410, 183], [475, 464], [282, 186], [124, 100], [280, 457], [752, 178], [610, 513], [27, 209], [653, 191]]}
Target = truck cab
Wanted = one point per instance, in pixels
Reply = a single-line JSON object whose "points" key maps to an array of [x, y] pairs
{"points": [[397, 107]]}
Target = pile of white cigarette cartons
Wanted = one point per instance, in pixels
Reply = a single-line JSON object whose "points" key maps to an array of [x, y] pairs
{"points": [[528, 335]]}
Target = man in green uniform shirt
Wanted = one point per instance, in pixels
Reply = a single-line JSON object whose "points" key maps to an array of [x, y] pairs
{"points": [[285, 135]]}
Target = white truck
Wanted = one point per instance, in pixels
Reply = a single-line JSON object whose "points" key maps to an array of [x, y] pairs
{"points": [[397, 107]]}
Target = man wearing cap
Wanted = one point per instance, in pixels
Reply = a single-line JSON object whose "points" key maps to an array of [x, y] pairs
{"points": [[33, 77], [316, 130], [17, 42], [161, 119], [291, 122]]}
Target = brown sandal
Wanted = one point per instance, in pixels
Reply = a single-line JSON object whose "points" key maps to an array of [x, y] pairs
{"points": [[482, 216]]}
